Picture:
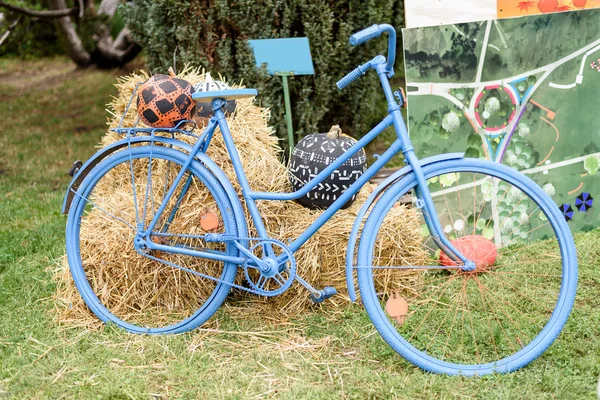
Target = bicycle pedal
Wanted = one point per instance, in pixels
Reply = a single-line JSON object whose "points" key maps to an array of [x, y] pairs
{"points": [[75, 168], [324, 294]]}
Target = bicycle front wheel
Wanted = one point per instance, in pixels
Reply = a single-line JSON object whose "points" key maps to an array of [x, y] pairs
{"points": [[506, 312], [145, 291]]}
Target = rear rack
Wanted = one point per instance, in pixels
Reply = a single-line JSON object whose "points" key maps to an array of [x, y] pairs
{"points": [[135, 129]]}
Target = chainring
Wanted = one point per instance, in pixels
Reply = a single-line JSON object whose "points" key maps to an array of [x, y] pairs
{"points": [[278, 277]]}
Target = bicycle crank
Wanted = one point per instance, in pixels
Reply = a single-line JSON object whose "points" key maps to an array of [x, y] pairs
{"points": [[264, 270]]}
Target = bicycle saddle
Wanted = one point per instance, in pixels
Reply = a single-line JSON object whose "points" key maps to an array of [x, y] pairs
{"points": [[229, 94]]}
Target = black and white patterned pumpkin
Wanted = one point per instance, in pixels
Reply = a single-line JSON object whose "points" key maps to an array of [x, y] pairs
{"points": [[204, 109], [316, 152]]}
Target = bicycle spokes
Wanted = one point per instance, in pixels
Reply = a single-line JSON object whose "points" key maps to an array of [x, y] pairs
{"points": [[136, 284], [498, 307]]}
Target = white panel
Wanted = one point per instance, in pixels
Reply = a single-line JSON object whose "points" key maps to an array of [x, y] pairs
{"points": [[439, 12]]}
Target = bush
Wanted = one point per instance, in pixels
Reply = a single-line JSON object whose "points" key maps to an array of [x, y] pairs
{"points": [[32, 37], [214, 35]]}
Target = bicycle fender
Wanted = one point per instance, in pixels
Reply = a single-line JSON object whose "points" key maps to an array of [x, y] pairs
{"points": [[379, 190], [218, 173]]}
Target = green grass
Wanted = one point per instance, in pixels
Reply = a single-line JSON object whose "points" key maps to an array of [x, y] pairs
{"points": [[322, 355]]}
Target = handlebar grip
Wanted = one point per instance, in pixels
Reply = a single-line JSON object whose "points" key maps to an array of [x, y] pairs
{"points": [[365, 35], [351, 77]]}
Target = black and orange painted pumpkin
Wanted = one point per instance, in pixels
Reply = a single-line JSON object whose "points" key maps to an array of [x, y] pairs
{"points": [[316, 152], [164, 101]]}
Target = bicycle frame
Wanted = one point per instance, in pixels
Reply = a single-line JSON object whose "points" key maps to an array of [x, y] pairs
{"points": [[401, 144]]}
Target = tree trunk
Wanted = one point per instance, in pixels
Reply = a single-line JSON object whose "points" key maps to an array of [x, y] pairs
{"points": [[107, 53], [73, 45], [111, 53], [8, 31], [108, 7]]}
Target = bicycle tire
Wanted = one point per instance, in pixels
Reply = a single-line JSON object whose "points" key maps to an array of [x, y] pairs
{"points": [[198, 171], [437, 363]]}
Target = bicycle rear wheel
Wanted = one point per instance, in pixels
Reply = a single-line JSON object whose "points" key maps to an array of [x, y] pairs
{"points": [[497, 318], [147, 291]]}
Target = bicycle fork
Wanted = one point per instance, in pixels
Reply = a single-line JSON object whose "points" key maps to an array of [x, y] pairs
{"points": [[427, 207], [424, 199]]}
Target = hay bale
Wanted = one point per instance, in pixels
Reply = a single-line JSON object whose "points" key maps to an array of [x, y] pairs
{"points": [[321, 261]]}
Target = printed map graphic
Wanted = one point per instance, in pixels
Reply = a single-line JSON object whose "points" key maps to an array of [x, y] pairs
{"points": [[521, 91]]}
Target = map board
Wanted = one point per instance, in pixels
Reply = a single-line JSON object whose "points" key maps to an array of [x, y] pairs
{"points": [[440, 12], [521, 91]]}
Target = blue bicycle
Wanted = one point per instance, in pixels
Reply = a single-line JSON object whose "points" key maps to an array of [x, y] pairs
{"points": [[496, 290]]}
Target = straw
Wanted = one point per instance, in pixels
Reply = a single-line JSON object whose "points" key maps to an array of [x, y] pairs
{"points": [[132, 286]]}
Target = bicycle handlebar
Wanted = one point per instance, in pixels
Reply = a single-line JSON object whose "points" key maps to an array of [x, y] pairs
{"points": [[364, 36], [354, 75]]}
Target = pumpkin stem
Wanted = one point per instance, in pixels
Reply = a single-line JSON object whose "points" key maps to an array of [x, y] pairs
{"points": [[334, 132]]}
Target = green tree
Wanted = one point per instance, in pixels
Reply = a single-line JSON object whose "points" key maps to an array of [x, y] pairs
{"points": [[450, 122], [505, 108], [214, 34], [27, 37], [474, 140], [492, 105], [522, 86], [473, 152], [434, 118], [524, 130], [591, 164], [591, 148], [496, 65], [460, 94]]}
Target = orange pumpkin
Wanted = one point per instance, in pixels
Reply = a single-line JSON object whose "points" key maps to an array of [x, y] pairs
{"points": [[480, 250]]}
